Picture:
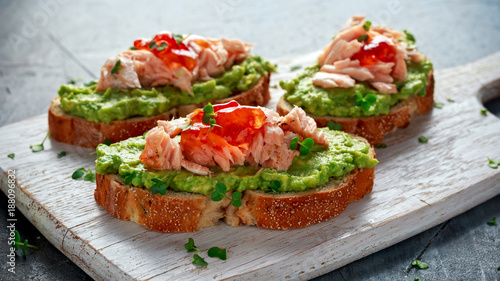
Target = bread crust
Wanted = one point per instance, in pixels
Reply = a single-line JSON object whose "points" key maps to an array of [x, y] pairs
{"points": [[187, 212], [80, 132], [374, 128]]}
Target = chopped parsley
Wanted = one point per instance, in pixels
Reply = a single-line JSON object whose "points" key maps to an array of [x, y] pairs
{"points": [[367, 25], [493, 163], [220, 193], [493, 221], [422, 139], [159, 187], [216, 252], [199, 261], [420, 264], [362, 38], [17, 243], [39, 147], [304, 145], [450, 100], [295, 67], [117, 67], [61, 154], [381, 145], [85, 173], [483, 112], [11, 156], [334, 126], [190, 247], [365, 102], [438, 105]]}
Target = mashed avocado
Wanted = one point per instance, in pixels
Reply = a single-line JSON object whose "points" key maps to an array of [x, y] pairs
{"points": [[113, 104], [343, 155], [341, 102]]}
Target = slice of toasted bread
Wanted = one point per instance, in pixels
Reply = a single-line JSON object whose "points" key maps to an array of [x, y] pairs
{"points": [[80, 132], [374, 128], [187, 212]]}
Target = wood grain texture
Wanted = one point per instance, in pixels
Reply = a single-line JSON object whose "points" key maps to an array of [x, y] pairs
{"points": [[416, 187]]}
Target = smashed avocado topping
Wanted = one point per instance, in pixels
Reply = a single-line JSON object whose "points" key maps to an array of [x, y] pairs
{"points": [[315, 169], [113, 104], [345, 102]]}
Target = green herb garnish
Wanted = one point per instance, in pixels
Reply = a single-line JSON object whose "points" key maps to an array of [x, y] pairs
{"points": [[116, 67], [17, 243], [208, 116], [162, 46], [186, 126], [216, 252], [85, 173], [61, 154], [295, 67], [133, 48], [178, 38], [493, 163], [190, 247], [381, 145], [89, 84], [416, 279], [39, 147], [334, 126], [11, 155], [498, 268], [107, 142], [450, 100], [422, 139], [159, 187], [128, 177], [438, 105], [73, 81], [493, 221], [409, 36], [365, 102], [199, 261], [367, 25], [220, 193], [483, 112], [275, 186], [304, 145], [362, 38], [419, 264]]}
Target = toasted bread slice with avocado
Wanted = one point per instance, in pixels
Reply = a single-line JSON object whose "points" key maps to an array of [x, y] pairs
{"points": [[80, 132], [374, 128], [188, 212]]}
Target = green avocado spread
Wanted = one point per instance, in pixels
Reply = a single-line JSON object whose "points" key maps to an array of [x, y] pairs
{"points": [[341, 102], [112, 104], [343, 155]]}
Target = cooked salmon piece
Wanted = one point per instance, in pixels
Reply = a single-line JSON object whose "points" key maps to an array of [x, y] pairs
{"points": [[141, 69], [385, 88], [399, 71], [350, 68], [195, 168], [173, 127], [298, 122], [332, 80], [340, 49], [161, 152], [381, 71]]}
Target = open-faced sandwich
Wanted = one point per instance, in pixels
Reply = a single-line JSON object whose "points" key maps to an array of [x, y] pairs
{"points": [[157, 79], [241, 164], [369, 79]]}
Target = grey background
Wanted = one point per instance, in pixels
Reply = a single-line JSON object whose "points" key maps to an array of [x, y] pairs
{"points": [[44, 43]]}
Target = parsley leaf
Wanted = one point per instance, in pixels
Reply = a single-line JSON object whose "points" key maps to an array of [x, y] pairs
{"points": [[107, 142], [61, 154], [409, 36], [17, 243], [367, 25], [78, 173], [199, 261], [416, 279], [419, 264], [334, 126], [365, 102], [220, 193], [438, 105], [133, 48], [159, 187], [275, 186], [216, 252], [493, 221], [305, 145], [89, 176], [89, 84], [362, 38], [73, 81], [422, 139], [11, 156], [483, 112], [128, 177], [450, 100], [190, 247], [381, 145], [493, 163], [39, 147], [295, 67], [178, 38], [117, 67], [208, 116]]}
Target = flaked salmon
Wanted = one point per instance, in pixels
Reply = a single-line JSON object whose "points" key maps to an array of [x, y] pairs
{"points": [[243, 135], [168, 59], [365, 53]]}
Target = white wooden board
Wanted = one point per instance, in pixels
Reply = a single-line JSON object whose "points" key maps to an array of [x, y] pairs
{"points": [[417, 186]]}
